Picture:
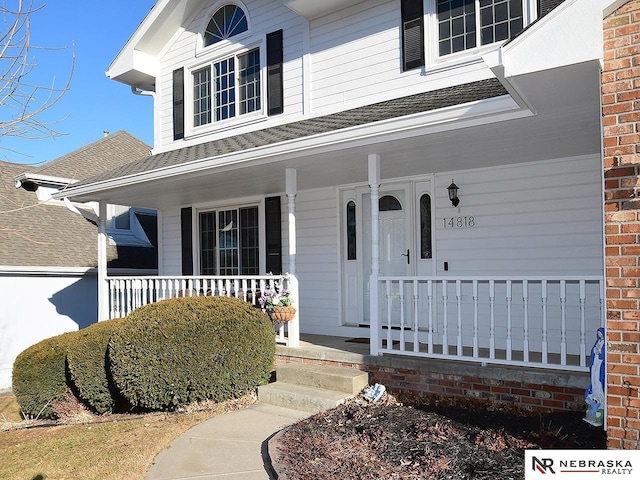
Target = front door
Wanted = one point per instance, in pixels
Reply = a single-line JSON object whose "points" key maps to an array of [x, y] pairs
{"points": [[404, 245]]}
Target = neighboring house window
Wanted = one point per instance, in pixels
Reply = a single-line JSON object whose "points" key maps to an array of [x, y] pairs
{"points": [[120, 217], [228, 21], [227, 88], [466, 24], [124, 225], [230, 242]]}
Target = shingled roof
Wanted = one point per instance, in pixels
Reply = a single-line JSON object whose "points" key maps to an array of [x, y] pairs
{"points": [[108, 153], [48, 234], [369, 114]]}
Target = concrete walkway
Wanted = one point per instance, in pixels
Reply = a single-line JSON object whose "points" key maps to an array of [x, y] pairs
{"points": [[229, 446]]}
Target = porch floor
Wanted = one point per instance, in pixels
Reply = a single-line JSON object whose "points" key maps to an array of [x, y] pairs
{"points": [[345, 350]]}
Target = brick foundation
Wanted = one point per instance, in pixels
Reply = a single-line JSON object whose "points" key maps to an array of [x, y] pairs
{"points": [[528, 396], [621, 124]]}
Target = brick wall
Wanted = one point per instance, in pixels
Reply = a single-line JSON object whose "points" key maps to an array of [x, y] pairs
{"points": [[621, 123], [528, 396]]}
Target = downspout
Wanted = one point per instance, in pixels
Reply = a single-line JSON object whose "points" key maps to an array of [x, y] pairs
{"points": [[141, 92]]}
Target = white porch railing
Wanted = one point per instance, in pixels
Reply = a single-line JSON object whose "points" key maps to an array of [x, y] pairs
{"points": [[547, 322], [128, 293]]}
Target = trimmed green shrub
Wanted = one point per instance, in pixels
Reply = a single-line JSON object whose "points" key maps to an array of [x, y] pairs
{"points": [[39, 376], [86, 364], [174, 352]]}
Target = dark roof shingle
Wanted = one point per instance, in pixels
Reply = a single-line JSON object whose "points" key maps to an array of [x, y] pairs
{"points": [[48, 234], [387, 110]]}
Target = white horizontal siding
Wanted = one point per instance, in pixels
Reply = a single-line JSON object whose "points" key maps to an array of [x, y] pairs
{"points": [[316, 261], [356, 59], [170, 234], [265, 17], [35, 307], [538, 218]]}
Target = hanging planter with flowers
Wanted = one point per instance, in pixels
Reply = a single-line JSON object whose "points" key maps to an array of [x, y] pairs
{"points": [[276, 302]]}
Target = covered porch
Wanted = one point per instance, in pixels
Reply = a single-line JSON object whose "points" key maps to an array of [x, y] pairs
{"points": [[512, 275]]}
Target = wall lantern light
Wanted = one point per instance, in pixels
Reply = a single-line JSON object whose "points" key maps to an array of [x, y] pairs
{"points": [[453, 194]]}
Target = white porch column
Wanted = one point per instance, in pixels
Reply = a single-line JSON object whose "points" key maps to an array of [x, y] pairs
{"points": [[291, 181], [374, 183], [103, 287]]}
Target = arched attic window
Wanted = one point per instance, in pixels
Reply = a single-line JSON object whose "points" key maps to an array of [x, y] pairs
{"points": [[226, 22]]}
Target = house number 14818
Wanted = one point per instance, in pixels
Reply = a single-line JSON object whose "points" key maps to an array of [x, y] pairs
{"points": [[458, 222]]}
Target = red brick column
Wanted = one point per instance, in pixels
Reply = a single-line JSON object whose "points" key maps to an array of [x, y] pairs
{"points": [[621, 123]]}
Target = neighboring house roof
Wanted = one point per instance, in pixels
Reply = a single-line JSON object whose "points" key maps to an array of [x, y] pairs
{"points": [[48, 234], [37, 235], [377, 112], [111, 151]]}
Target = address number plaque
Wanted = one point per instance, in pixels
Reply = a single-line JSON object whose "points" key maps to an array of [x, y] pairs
{"points": [[459, 222]]}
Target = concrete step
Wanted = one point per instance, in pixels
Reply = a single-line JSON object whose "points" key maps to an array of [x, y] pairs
{"points": [[299, 397], [339, 379]]}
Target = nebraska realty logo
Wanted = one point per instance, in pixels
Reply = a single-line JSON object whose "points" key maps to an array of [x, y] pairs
{"points": [[581, 464]]}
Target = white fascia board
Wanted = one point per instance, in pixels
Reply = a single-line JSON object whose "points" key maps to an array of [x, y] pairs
{"points": [[491, 110], [568, 35], [42, 180], [610, 6], [125, 55], [44, 270], [137, 64]]}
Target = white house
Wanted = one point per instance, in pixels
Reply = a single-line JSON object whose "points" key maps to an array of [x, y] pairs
{"points": [[324, 140], [48, 248]]}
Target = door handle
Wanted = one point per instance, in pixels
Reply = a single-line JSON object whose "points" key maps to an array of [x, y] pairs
{"points": [[408, 255]]}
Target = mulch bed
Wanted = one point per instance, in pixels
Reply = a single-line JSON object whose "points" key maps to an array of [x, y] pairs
{"points": [[433, 439]]}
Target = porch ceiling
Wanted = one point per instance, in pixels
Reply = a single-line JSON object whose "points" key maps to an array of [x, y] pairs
{"points": [[565, 122]]}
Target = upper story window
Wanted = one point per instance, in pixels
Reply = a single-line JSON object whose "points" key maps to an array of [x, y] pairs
{"points": [[227, 88], [226, 22], [466, 24]]}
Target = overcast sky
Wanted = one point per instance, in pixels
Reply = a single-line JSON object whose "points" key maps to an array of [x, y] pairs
{"points": [[96, 31]]}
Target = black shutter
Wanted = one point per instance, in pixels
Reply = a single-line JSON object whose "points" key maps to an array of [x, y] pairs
{"points": [[273, 227], [178, 104], [412, 34], [545, 6], [275, 89], [187, 241]]}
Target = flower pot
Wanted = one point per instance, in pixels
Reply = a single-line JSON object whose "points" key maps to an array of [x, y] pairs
{"points": [[282, 314]]}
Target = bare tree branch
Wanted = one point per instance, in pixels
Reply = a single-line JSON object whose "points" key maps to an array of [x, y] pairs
{"points": [[21, 101]]}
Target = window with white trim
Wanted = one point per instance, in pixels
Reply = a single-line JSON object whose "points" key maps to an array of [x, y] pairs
{"points": [[227, 88], [466, 24], [229, 241], [225, 23], [230, 85]]}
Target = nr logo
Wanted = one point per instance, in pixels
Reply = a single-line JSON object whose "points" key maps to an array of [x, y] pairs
{"points": [[542, 465]]}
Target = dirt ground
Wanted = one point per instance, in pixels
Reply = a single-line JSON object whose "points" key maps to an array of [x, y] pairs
{"points": [[429, 440]]}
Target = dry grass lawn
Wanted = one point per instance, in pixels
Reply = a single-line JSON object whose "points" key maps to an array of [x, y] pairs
{"points": [[107, 448]]}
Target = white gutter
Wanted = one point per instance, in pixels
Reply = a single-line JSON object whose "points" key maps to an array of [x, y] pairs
{"points": [[44, 270], [42, 180]]}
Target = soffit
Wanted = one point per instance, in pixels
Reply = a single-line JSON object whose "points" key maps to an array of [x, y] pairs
{"points": [[313, 8]]}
